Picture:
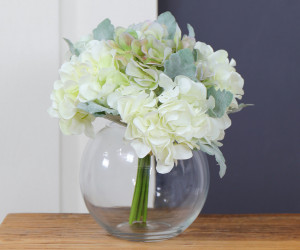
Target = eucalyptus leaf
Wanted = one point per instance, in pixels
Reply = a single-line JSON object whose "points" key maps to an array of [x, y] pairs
{"points": [[191, 30], [222, 101], [181, 63], [104, 31], [168, 19], [72, 48], [239, 108], [212, 149], [96, 109]]}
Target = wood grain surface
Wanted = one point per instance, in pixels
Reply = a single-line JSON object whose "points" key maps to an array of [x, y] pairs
{"points": [[80, 231]]}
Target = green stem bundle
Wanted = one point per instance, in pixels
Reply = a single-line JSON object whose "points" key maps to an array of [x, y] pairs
{"points": [[139, 204]]}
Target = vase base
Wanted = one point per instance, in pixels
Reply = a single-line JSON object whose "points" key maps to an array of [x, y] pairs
{"points": [[147, 232]]}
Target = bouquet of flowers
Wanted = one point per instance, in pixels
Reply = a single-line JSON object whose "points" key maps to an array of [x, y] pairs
{"points": [[172, 93]]}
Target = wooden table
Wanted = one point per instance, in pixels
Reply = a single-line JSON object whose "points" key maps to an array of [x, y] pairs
{"points": [[79, 231]]}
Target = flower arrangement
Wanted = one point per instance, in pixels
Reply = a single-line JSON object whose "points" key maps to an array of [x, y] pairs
{"points": [[172, 93]]}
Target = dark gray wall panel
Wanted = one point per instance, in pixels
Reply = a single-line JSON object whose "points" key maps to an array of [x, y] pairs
{"points": [[262, 146]]}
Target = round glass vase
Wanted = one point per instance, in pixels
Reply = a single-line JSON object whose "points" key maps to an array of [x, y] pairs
{"points": [[108, 178]]}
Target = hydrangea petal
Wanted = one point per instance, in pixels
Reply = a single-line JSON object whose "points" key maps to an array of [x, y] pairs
{"points": [[140, 148], [182, 151], [163, 168]]}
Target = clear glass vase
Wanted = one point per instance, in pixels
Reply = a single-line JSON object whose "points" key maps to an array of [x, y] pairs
{"points": [[108, 177]]}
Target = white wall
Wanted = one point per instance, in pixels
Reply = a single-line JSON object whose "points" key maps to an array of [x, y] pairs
{"points": [[29, 162], [38, 165]]}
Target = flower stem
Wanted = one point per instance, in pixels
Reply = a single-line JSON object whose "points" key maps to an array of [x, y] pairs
{"points": [[145, 210], [140, 197]]}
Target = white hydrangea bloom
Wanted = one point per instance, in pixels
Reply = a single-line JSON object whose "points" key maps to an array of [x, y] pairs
{"points": [[214, 68], [149, 134], [64, 104], [78, 124], [146, 130], [93, 75], [184, 109]]}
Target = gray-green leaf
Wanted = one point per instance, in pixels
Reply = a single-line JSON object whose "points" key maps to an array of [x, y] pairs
{"points": [[168, 19], [72, 48], [104, 31], [96, 109], [181, 63], [191, 30], [222, 101], [239, 108], [214, 150], [115, 118]]}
